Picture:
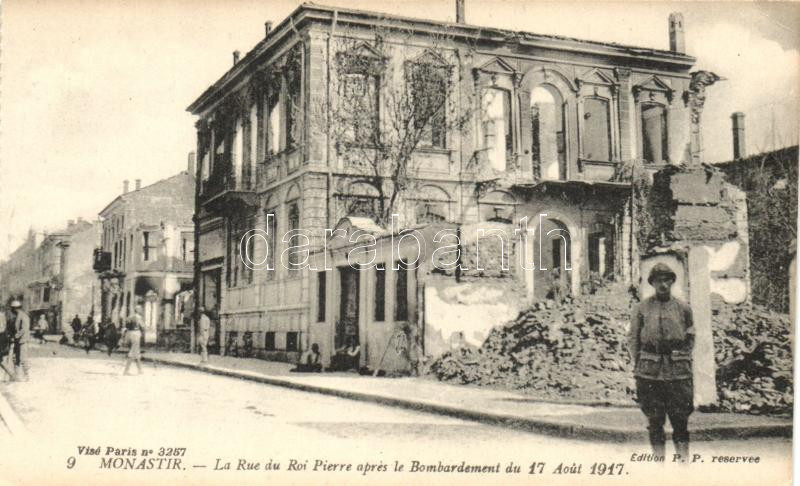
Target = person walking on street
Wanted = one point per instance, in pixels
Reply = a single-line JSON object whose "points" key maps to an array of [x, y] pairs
{"points": [[22, 334], [40, 328], [660, 341], [131, 338], [76, 328], [111, 337], [5, 342], [89, 333], [203, 330]]}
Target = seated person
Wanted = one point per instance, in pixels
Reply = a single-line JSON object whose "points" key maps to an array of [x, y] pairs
{"points": [[346, 357], [310, 362]]}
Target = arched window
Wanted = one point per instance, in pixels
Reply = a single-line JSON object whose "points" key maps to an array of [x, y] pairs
{"points": [[549, 147]]}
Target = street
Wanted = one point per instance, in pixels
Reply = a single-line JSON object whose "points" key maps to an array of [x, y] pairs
{"points": [[76, 400]]}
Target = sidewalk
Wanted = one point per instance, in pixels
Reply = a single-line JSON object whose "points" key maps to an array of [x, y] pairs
{"points": [[508, 409]]}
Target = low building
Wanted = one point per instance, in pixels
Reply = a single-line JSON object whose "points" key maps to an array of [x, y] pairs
{"points": [[147, 253]]}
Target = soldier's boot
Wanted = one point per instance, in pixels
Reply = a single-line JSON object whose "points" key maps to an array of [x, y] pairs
{"points": [[658, 439], [682, 448]]}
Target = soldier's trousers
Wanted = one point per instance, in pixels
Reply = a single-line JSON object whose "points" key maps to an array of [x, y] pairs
{"points": [[21, 357], [661, 399]]}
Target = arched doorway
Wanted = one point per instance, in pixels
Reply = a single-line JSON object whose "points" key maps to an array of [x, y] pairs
{"points": [[548, 142], [552, 260]]}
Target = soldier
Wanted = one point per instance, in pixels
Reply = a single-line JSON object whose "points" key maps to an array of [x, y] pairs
{"points": [[203, 330], [22, 331], [660, 342]]}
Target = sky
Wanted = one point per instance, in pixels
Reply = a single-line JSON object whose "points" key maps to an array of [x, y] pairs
{"points": [[93, 92]]}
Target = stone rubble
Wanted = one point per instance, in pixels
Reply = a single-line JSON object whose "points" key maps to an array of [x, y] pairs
{"points": [[577, 350]]}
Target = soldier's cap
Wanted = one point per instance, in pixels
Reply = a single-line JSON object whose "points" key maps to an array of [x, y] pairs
{"points": [[660, 269], [15, 304]]}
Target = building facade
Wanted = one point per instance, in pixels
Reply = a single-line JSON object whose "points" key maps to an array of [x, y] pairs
{"points": [[147, 252], [550, 128], [52, 273]]}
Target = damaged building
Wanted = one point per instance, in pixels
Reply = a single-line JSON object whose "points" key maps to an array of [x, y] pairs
{"points": [[535, 133], [147, 253]]}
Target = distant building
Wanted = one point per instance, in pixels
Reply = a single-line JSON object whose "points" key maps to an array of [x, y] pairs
{"points": [[147, 252], [52, 273]]}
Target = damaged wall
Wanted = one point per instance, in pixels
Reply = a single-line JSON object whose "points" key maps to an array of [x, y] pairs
{"points": [[698, 208]]}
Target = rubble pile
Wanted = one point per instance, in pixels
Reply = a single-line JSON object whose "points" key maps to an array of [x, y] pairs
{"points": [[577, 350], [754, 359]]}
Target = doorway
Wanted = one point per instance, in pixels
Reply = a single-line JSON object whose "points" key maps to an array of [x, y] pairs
{"points": [[552, 258], [347, 324]]}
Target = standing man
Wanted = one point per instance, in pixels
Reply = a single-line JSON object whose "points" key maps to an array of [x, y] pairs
{"points": [[660, 341], [203, 330], [5, 341], [76, 328], [89, 333], [22, 334], [41, 328]]}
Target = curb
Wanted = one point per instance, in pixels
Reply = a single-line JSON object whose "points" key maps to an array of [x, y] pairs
{"points": [[541, 426]]}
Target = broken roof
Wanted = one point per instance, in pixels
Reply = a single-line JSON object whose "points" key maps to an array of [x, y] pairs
{"points": [[311, 11]]}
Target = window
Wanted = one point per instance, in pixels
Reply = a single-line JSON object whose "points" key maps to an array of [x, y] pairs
{"points": [[269, 341], [497, 127], [294, 224], [429, 89], [240, 273], [431, 212], [148, 248], [654, 133], [360, 98], [46, 294], [380, 296], [548, 147], [293, 99], [187, 247], [321, 296], [275, 132], [401, 294], [292, 341], [596, 129], [272, 239]]}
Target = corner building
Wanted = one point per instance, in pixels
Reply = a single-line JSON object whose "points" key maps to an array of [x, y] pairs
{"points": [[553, 124]]}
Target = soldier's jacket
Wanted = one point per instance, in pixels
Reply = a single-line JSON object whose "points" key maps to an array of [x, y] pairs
{"points": [[661, 338], [22, 326]]}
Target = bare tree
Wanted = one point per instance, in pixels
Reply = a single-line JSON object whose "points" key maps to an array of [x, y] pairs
{"points": [[391, 99]]}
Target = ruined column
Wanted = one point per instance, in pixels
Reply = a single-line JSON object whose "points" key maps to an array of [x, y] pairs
{"points": [[695, 99], [703, 366]]}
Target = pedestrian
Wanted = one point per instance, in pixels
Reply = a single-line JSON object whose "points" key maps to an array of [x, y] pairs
{"points": [[131, 338], [660, 341], [22, 331], [76, 328], [89, 333], [5, 343], [203, 330], [111, 337], [40, 328]]}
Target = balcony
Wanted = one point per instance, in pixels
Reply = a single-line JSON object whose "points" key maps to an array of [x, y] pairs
{"points": [[222, 188], [101, 261]]}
